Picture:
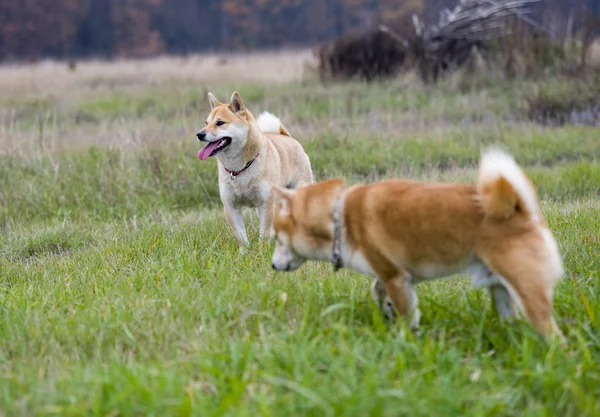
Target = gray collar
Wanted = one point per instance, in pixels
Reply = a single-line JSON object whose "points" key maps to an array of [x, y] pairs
{"points": [[336, 257]]}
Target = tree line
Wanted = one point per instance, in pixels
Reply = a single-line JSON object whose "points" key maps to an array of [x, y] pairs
{"points": [[31, 29]]}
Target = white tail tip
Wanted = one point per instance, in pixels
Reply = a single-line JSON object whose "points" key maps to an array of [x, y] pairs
{"points": [[269, 123], [496, 163]]}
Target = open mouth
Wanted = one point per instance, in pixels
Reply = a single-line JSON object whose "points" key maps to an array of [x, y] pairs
{"points": [[214, 148]]}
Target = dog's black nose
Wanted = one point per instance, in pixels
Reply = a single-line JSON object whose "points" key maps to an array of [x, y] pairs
{"points": [[201, 135], [273, 265]]}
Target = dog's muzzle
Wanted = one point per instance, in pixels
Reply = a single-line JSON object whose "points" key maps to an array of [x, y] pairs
{"points": [[281, 268]]}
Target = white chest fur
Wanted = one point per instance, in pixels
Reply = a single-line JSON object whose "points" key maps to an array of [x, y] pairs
{"points": [[245, 190], [356, 261]]}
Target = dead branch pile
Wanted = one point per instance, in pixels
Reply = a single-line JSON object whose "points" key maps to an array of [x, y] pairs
{"points": [[365, 56], [433, 49], [470, 26]]}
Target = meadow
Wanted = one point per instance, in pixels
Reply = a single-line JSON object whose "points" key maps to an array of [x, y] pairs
{"points": [[123, 292]]}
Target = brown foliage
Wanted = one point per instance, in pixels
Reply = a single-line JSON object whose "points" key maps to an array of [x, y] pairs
{"points": [[133, 23], [66, 28], [29, 28]]}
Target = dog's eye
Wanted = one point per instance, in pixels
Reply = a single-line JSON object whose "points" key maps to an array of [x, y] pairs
{"points": [[220, 123], [205, 123]]}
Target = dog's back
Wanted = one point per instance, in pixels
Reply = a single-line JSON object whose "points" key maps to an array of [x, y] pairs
{"points": [[294, 164]]}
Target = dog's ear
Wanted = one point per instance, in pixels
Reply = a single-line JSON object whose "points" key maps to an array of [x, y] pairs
{"points": [[213, 101], [236, 103], [285, 197]]}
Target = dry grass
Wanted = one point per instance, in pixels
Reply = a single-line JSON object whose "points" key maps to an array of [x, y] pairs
{"points": [[49, 107], [52, 78]]}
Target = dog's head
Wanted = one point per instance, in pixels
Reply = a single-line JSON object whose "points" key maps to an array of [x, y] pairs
{"points": [[303, 223], [226, 127]]}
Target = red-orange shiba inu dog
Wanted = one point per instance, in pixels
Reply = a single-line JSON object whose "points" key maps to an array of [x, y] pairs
{"points": [[253, 155], [405, 232]]}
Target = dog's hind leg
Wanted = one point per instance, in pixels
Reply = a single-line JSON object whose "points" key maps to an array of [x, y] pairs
{"points": [[235, 219], [502, 301], [529, 277], [483, 276], [534, 300], [304, 175]]}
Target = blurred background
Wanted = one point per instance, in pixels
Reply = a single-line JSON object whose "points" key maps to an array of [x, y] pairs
{"points": [[33, 29]]}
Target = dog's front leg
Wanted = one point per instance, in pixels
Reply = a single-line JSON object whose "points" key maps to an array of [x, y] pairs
{"points": [[384, 303], [265, 215], [236, 221], [404, 298]]}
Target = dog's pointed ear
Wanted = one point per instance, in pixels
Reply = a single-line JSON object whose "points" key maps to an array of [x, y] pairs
{"points": [[285, 197], [213, 101], [236, 103]]}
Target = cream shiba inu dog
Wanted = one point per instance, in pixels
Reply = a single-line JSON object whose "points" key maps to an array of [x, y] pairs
{"points": [[405, 232], [252, 155]]}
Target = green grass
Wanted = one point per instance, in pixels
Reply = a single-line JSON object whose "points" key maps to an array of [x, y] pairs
{"points": [[124, 293]]}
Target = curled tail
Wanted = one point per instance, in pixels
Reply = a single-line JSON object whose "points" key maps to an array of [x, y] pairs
{"points": [[269, 123], [504, 190]]}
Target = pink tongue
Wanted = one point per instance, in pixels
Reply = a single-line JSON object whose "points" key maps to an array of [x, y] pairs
{"points": [[207, 150]]}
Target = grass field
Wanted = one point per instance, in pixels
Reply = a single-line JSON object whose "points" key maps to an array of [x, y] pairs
{"points": [[123, 291]]}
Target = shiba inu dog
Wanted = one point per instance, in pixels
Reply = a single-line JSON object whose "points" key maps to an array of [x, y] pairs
{"points": [[405, 232], [252, 155]]}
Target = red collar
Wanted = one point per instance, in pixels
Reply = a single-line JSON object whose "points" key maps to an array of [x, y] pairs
{"points": [[236, 173]]}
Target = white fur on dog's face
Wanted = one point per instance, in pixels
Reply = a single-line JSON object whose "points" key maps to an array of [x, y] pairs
{"points": [[284, 257], [298, 238], [234, 129], [227, 124]]}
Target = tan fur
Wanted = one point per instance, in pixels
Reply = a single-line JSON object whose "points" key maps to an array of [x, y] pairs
{"points": [[281, 161], [404, 232], [284, 131]]}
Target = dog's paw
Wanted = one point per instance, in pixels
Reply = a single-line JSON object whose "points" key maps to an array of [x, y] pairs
{"points": [[415, 320], [381, 299], [374, 293], [378, 292], [388, 309]]}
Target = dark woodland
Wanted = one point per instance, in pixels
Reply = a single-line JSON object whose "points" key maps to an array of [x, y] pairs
{"points": [[33, 29]]}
